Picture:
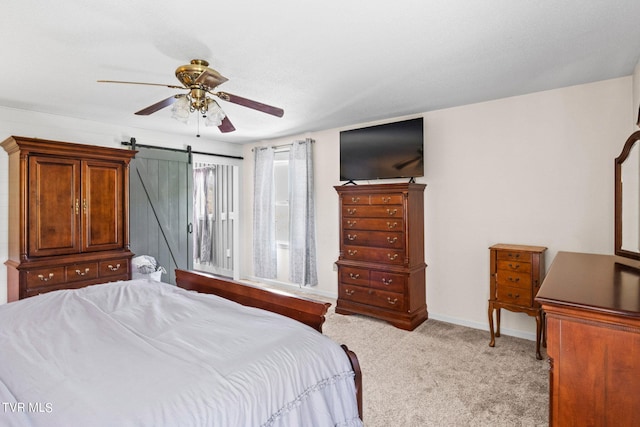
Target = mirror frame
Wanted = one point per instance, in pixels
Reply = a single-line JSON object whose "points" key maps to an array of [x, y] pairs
{"points": [[635, 137]]}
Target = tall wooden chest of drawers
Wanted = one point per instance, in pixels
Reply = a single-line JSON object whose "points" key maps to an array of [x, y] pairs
{"points": [[381, 268], [517, 271]]}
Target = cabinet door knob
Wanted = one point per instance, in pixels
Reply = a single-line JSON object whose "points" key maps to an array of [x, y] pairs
{"points": [[45, 279]]}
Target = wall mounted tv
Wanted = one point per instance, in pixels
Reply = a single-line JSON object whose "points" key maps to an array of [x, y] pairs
{"points": [[391, 150]]}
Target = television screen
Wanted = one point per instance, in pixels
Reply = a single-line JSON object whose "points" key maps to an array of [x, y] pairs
{"points": [[392, 150]]}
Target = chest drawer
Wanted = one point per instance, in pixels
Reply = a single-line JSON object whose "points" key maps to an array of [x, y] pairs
{"points": [[372, 211], [388, 281], [513, 256], [383, 255], [514, 266], [372, 224], [385, 239], [47, 276], [513, 279], [512, 295], [354, 276], [114, 267], [85, 271], [386, 199], [374, 297]]}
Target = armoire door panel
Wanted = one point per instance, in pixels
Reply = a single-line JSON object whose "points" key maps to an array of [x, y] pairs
{"points": [[102, 204], [54, 186]]}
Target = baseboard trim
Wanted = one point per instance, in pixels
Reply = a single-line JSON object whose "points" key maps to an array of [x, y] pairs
{"points": [[482, 326]]}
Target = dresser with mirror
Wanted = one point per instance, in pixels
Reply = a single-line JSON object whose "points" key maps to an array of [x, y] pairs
{"points": [[592, 307]]}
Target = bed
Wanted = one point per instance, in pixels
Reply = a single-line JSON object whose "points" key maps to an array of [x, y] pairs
{"points": [[210, 352]]}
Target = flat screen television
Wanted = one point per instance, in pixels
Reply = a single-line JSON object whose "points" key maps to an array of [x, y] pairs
{"points": [[391, 150]]}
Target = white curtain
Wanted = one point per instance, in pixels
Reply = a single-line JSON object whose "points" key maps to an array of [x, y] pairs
{"points": [[264, 231], [302, 223], [203, 179]]}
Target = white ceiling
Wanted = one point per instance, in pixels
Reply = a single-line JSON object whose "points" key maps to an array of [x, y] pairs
{"points": [[327, 64]]}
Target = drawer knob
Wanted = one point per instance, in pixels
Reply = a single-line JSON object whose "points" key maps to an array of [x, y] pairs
{"points": [[392, 240], [82, 273], [392, 302], [512, 279], [391, 225], [387, 282], [386, 199], [354, 276], [355, 199], [352, 252], [351, 223], [45, 279], [112, 268], [392, 257], [350, 237], [392, 212], [514, 255], [514, 266], [513, 296], [351, 211], [349, 291]]}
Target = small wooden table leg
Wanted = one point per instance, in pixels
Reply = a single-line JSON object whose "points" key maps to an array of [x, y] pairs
{"points": [[538, 334], [492, 343], [498, 321]]}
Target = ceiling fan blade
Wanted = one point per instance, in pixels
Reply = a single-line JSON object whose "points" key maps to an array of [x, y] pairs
{"points": [[210, 78], [140, 83], [275, 111], [157, 106], [226, 125]]}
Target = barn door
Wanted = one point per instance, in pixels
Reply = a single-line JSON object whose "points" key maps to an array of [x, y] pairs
{"points": [[160, 206]]}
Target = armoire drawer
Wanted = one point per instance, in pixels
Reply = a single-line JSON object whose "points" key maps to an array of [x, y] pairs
{"points": [[47, 276], [85, 271], [514, 256], [386, 199], [114, 267], [374, 297]]}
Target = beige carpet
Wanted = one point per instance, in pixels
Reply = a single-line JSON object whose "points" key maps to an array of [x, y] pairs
{"points": [[444, 375]]}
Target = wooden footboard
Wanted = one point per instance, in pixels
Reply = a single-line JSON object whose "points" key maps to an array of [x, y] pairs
{"points": [[302, 309]]}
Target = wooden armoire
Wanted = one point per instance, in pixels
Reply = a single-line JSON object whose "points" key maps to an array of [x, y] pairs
{"points": [[68, 215], [381, 269]]}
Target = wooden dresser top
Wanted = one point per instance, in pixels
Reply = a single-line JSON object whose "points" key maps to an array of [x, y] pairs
{"points": [[592, 282]]}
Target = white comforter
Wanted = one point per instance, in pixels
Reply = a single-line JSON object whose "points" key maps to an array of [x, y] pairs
{"points": [[143, 353]]}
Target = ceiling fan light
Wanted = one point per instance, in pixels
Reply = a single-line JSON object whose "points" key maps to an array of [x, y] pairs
{"points": [[215, 115], [180, 110]]}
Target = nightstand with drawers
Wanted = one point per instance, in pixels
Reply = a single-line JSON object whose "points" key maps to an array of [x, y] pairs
{"points": [[516, 273]]}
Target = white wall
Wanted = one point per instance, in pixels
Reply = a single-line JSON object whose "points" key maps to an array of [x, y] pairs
{"points": [[534, 169], [48, 126]]}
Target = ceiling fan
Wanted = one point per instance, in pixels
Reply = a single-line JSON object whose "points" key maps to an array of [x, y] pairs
{"points": [[199, 80]]}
